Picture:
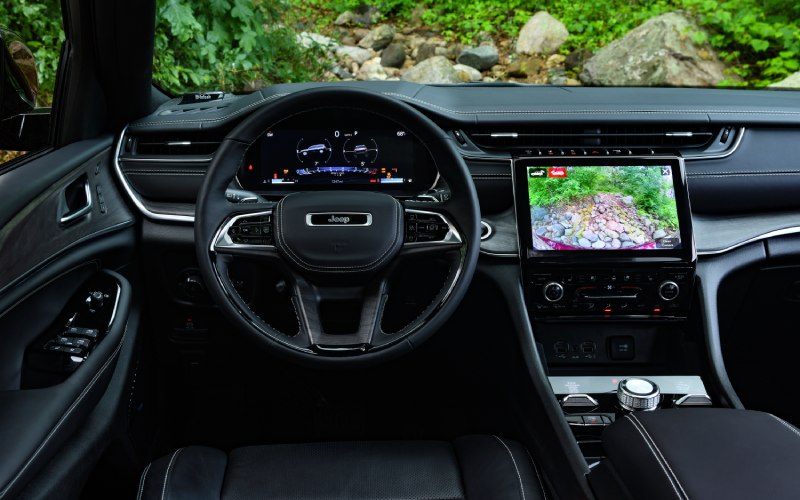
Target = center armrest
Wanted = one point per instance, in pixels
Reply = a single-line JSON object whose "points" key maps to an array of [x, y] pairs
{"points": [[707, 453]]}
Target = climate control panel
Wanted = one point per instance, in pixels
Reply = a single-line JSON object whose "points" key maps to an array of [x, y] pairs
{"points": [[652, 292]]}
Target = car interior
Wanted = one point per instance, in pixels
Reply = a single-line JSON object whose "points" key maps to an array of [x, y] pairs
{"points": [[370, 290]]}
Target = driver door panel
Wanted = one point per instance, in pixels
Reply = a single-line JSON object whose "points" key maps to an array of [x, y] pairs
{"points": [[48, 265]]}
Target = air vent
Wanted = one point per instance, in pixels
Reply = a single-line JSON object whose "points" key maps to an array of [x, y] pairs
{"points": [[183, 144], [673, 137]]}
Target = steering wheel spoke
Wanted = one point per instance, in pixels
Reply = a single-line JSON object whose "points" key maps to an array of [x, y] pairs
{"points": [[248, 234], [339, 319], [429, 231]]}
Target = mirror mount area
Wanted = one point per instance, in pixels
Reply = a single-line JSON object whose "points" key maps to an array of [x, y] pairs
{"points": [[23, 126]]}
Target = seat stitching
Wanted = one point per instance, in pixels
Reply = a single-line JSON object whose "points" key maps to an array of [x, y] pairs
{"points": [[166, 474], [142, 481], [63, 418], [677, 481], [536, 469], [669, 478], [516, 469], [785, 424]]}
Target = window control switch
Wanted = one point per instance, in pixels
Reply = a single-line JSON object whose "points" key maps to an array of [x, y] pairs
{"points": [[74, 341], [90, 333]]}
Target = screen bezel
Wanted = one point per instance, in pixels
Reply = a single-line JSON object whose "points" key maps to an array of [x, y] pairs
{"points": [[686, 253]]}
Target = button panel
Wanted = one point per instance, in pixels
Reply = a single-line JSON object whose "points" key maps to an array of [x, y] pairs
{"points": [[428, 227], [253, 230], [659, 292]]}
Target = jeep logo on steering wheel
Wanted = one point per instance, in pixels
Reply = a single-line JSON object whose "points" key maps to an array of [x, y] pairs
{"points": [[339, 219]]}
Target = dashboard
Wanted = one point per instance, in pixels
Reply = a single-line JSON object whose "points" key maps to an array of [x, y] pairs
{"points": [[335, 148]]}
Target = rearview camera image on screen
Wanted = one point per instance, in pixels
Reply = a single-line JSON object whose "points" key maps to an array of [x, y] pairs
{"points": [[603, 208]]}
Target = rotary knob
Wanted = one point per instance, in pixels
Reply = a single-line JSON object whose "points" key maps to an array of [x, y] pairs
{"points": [[669, 290], [638, 394], [553, 292]]}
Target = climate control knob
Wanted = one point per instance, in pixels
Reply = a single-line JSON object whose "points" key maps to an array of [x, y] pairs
{"points": [[636, 394], [553, 292], [668, 290]]}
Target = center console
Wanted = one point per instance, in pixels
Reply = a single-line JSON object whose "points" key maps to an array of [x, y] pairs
{"points": [[608, 267]]}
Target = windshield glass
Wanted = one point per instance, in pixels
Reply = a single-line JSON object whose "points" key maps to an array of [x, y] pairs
{"points": [[243, 45]]}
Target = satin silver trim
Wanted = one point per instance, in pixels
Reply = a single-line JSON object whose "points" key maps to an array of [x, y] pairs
{"points": [[134, 197]]}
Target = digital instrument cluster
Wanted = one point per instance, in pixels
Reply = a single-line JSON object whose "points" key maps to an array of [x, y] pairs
{"points": [[337, 150]]}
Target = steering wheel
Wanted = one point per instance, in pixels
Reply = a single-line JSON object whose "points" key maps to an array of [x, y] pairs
{"points": [[337, 244]]}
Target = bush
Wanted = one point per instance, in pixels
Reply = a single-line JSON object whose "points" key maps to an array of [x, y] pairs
{"points": [[232, 45]]}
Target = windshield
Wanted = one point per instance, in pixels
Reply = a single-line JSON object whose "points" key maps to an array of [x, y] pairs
{"points": [[243, 45]]}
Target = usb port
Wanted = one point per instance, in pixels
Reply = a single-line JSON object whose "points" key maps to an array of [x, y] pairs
{"points": [[561, 347], [587, 347]]}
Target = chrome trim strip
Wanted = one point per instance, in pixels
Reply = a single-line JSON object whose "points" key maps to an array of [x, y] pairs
{"points": [[717, 156], [311, 223], [114, 310], [705, 397], [134, 197], [771, 234], [159, 159], [489, 230], [566, 401], [221, 238]]}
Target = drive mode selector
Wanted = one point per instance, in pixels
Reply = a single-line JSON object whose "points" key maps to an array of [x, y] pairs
{"points": [[668, 290], [638, 394], [553, 292]]}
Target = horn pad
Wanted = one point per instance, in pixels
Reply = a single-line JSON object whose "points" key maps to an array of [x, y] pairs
{"points": [[342, 232]]}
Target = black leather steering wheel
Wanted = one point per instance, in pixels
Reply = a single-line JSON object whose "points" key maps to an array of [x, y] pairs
{"points": [[327, 257]]}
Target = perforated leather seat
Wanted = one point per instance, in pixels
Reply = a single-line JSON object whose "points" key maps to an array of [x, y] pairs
{"points": [[472, 467]]}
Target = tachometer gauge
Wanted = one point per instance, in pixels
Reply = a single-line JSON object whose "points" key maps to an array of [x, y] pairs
{"points": [[360, 152], [314, 151]]}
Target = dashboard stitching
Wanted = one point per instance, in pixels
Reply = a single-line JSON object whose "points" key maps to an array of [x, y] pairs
{"points": [[210, 120], [591, 112], [347, 269]]}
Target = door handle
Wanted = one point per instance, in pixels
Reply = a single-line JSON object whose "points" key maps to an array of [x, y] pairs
{"points": [[76, 201]]}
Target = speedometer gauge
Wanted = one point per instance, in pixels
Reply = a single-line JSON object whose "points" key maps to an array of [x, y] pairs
{"points": [[360, 152], [314, 151]]}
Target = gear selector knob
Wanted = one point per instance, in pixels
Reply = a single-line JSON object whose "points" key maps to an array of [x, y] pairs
{"points": [[638, 394]]}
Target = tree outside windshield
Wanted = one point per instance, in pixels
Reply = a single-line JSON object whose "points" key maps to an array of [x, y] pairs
{"points": [[242, 45]]}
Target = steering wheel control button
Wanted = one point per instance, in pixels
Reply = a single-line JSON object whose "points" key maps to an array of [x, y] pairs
{"points": [[429, 227], [668, 291], [622, 348], [252, 230], [553, 291], [634, 394]]}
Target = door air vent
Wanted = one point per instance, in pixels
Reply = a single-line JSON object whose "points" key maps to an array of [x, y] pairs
{"points": [[688, 139]]}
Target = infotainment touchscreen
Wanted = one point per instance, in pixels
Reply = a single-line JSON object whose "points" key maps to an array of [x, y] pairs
{"points": [[602, 207]]}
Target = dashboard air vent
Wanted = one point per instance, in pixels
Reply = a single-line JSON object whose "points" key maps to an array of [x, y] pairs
{"points": [[183, 144], [669, 137]]}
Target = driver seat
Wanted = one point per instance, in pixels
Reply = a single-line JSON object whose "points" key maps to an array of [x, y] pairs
{"points": [[471, 467]]}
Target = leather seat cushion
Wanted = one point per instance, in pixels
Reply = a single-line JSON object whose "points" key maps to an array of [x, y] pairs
{"points": [[472, 467]]}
